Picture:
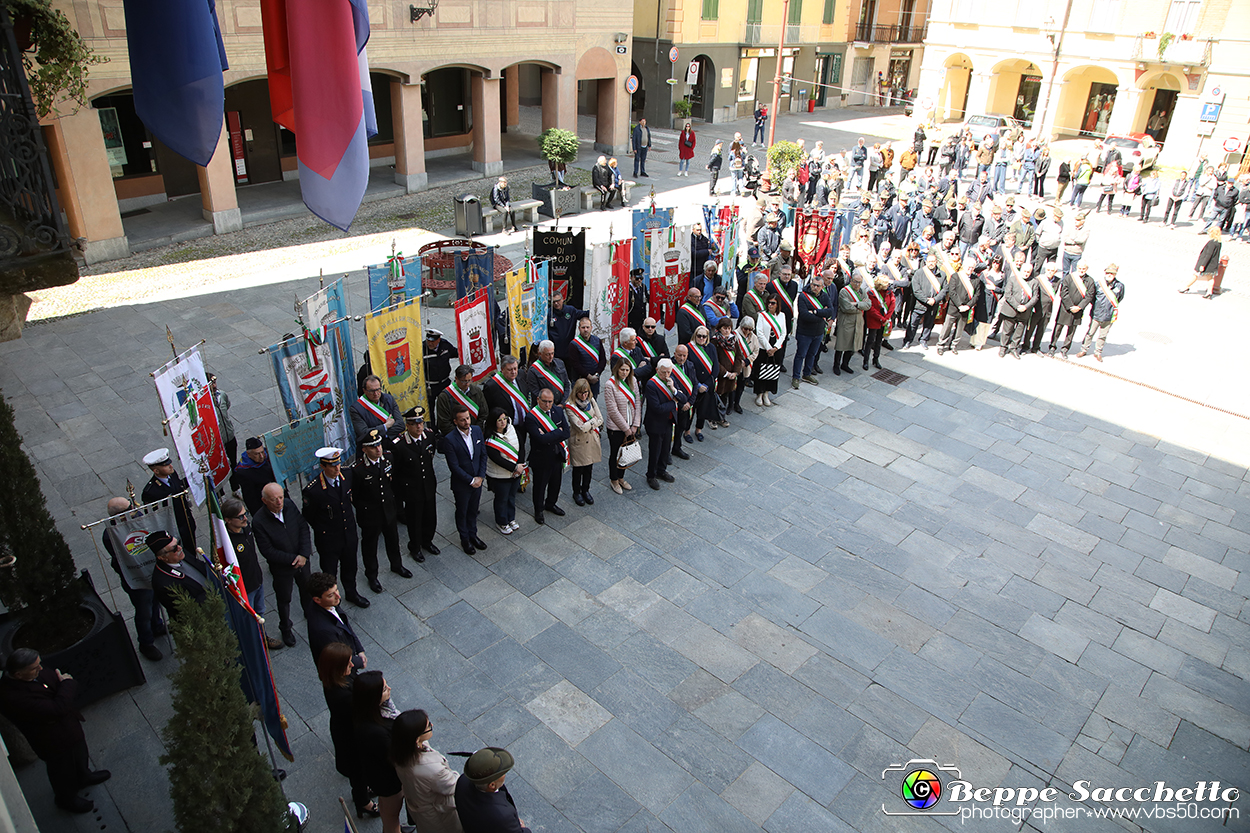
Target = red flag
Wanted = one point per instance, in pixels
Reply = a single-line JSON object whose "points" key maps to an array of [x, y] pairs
{"points": [[618, 289]]}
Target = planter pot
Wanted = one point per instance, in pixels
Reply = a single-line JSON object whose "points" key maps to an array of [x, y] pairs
{"points": [[550, 197], [103, 662]]}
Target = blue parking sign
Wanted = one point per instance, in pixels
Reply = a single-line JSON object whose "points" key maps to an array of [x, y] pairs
{"points": [[1210, 111]]}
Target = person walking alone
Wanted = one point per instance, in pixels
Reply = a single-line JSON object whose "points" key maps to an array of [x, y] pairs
{"points": [[685, 150]]}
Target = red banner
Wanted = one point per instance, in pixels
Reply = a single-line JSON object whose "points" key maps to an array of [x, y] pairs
{"points": [[618, 289], [813, 230], [473, 332]]}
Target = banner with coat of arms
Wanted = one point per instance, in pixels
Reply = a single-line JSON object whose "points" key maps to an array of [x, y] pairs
{"points": [[315, 375], [670, 271], [565, 255], [187, 404], [293, 448], [520, 313], [608, 289], [395, 281], [326, 306], [644, 219], [813, 233], [473, 333], [396, 339]]}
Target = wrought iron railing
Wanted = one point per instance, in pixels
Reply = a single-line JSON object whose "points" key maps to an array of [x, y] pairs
{"points": [[877, 33]]}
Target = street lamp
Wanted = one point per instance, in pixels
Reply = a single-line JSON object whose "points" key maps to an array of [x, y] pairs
{"points": [[418, 12]]}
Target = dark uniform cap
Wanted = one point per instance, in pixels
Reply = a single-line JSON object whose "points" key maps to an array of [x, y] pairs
{"points": [[158, 540], [415, 414], [487, 764], [253, 442], [372, 437]]}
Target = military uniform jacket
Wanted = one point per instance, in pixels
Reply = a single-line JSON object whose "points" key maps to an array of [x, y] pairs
{"points": [[166, 578], [373, 492], [328, 510], [155, 490], [414, 464]]}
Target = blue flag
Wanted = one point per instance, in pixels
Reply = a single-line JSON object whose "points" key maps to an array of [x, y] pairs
{"points": [[643, 219], [388, 287], [315, 375], [176, 61], [293, 448], [540, 275]]}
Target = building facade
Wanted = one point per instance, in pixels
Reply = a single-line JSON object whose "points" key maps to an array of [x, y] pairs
{"points": [[1173, 69], [446, 84], [886, 40]]}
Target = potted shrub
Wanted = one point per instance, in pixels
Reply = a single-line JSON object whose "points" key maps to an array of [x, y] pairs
{"points": [[558, 147], [55, 57], [682, 108], [52, 611], [783, 157]]}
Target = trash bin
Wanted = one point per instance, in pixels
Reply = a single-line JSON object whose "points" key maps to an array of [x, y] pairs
{"points": [[468, 215]]}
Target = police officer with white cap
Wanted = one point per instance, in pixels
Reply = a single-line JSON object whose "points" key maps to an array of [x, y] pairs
{"points": [[165, 482], [328, 510]]}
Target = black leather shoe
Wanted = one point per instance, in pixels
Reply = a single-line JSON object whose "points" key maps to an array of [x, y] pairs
{"points": [[538, 518], [99, 776], [402, 572], [77, 804], [555, 510], [431, 549], [666, 477], [577, 498], [375, 585], [654, 484], [418, 556], [467, 546], [737, 409], [479, 543], [681, 455], [357, 599], [590, 501], [151, 652], [288, 639]]}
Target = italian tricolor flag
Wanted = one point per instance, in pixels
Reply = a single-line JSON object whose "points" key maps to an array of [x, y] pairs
{"points": [[223, 551]]}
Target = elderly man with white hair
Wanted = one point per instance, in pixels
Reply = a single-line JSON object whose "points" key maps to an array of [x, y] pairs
{"points": [[547, 372], [601, 179], [664, 402]]}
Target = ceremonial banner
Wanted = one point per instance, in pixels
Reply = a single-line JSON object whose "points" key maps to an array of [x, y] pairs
{"points": [[565, 254], [328, 305], [643, 221], [618, 289], [814, 231], [223, 556], [292, 448], [520, 309], [539, 299], [609, 289], [727, 238], [315, 376], [475, 269], [473, 334], [670, 268], [396, 339], [192, 421], [395, 281], [127, 534]]}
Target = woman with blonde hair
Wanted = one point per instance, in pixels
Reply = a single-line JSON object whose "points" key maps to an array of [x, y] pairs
{"points": [[1208, 261], [584, 447]]}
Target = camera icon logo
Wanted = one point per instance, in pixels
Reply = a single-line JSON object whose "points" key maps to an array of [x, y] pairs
{"points": [[920, 786]]}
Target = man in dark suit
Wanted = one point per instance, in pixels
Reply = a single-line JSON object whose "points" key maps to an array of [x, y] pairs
{"points": [[465, 450], [377, 510], [172, 572], [503, 392], [328, 508], [327, 623], [547, 373], [165, 482], [285, 541], [664, 401], [375, 409], [549, 433], [461, 393], [413, 452], [586, 357], [40, 702]]}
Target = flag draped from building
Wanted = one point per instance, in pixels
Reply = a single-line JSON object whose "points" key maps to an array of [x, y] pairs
{"points": [[395, 281], [315, 376], [319, 90], [644, 220], [396, 339], [325, 306], [608, 288], [127, 534], [520, 309], [192, 421], [178, 89], [670, 271], [473, 334], [292, 448]]}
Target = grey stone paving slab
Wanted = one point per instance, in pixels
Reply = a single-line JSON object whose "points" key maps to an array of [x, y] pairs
{"points": [[637, 767], [1009, 729], [796, 758]]}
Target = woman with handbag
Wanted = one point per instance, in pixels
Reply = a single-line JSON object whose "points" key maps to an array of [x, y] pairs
{"points": [[504, 468], [1149, 195], [585, 449], [770, 330], [624, 409], [1208, 261]]}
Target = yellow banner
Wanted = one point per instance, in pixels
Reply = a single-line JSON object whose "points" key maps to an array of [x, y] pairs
{"points": [[519, 314], [396, 341]]}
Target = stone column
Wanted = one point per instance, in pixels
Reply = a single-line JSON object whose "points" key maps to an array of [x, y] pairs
{"points": [[512, 96], [409, 136], [559, 100], [487, 153], [978, 94], [1124, 110], [220, 202], [76, 149], [612, 121]]}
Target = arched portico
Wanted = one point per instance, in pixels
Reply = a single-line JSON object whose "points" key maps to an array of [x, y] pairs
{"points": [[1086, 101], [952, 100], [603, 94], [1015, 89], [1160, 91]]}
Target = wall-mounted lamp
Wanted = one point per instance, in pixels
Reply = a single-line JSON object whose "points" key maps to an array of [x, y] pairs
{"points": [[620, 37], [418, 12]]}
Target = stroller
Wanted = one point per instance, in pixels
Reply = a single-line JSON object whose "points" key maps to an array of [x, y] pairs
{"points": [[752, 175]]}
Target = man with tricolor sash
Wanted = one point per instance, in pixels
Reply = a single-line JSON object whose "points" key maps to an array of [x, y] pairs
{"points": [[547, 373], [1076, 292], [1109, 294], [586, 357], [1020, 292], [684, 383], [756, 298], [651, 342], [375, 408], [549, 452], [690, 316], [814, 314], [786, 288], [664, 402], [718, 307], [636, 353], [503, 392], [461, 393], [928, 287]]}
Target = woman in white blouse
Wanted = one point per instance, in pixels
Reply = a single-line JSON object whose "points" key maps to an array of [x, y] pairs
{"points": [[622, 403], [770, 332], [429, 784]]}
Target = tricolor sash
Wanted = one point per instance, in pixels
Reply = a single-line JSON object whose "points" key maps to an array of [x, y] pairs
{"points": [[591, 353], [550, 377], [682, 379], [1080, 284], [816, 304], [626, 392], [376, 410], [514, 393], [781, 294], [581, 416], [774, 323], [690, 309], [963, 279], [662, 388], [937, 287], [755, 296], [720, 311], [501, 445], [647, 349], [549, 425], [1106, 290], [702, 356], [464, 399], [624, 354], [854, 295]]}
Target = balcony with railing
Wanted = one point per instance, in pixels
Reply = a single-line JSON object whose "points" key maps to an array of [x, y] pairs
{"points": [[1177, 51], [767, 34], [877, 33]]}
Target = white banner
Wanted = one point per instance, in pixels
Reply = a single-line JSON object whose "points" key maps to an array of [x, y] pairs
{"points": [[597, 301], [192, 421], [473, 333]]}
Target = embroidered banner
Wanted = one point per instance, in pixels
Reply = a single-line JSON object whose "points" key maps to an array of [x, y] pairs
{"points": [[293, 448], [670, 266], [395, 281], [644, 221], [608, 289], [396, 352], [327, 305], [326, 387], [539, 298], [473, 334], [520, 310], [565, 254], [128, 534], [187, 404]]}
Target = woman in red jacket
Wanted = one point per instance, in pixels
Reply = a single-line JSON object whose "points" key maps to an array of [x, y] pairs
{"points": [[685, 150], [876, 318]]}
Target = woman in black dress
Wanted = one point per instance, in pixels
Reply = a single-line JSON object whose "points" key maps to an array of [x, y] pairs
{"points": [[771, 331], [334, 667], [373, 745], [1208, 261]]}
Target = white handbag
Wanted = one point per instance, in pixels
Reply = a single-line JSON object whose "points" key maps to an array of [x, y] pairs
{"points": [[629, 453]]}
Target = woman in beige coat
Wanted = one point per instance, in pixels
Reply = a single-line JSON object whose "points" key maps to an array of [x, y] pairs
{"points": [[853, 301], [429, 783], [584, 447]]}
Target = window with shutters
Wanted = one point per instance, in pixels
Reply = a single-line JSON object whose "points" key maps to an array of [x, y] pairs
{"points": [[1183, 16], [796, 12], [1104, 16], [711, 9], [827, 17], [755, 11]]}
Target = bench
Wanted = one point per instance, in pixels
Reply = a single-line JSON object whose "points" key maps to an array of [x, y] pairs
{"points": [[591, 198], [526, 212]]}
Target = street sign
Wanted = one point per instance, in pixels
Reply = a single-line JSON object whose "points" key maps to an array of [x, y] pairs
{"points": [[1210, 111], [672, 54], [621, 50], [1232, 144], [692, 73], [926, 103], [631, 84]]}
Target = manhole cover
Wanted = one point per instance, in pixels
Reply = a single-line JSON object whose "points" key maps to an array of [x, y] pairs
{"points": [[890, 377], [1158, 338]]}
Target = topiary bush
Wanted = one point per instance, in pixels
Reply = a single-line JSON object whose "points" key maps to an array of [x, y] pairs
{"points": [[783, 158]]}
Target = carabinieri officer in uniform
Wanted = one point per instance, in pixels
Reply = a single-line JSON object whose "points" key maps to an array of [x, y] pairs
{"points": [[328, 510]]}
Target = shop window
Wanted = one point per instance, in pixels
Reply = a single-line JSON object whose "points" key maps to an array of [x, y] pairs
{"points": [[126, 140]]}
